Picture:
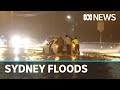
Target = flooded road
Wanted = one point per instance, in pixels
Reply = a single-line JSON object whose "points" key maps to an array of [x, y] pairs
{"points": [[96, 70]]}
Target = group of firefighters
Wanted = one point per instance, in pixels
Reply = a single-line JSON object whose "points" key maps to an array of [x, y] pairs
{"points": [[68, 45]]}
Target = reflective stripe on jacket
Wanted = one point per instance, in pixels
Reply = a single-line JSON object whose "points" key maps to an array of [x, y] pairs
{"points": [[75, 41]]}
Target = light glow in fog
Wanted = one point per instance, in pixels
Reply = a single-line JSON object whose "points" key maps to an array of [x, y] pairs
{"points": [[16, 57], [114, 54], [81, 53], [26, 43], [16, 51], [16, 40], [26, 51]]}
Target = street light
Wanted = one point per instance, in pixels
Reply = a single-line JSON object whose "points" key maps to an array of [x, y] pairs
{"points": [[68, 17]]}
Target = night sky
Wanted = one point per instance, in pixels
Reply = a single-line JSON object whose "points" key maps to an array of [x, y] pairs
{"points": [[49, 23]]}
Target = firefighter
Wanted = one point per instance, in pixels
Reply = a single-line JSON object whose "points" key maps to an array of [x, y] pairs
{"points": [[76, 47]]}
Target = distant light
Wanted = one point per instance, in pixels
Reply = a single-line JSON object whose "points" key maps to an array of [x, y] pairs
{"points": [[15, 40], [101, 46], [116, 54], [2, 36], [81, 53], [18, 42], [68, 17], [41, 49], [16, 51], [46, 42], [26, 42], [26, 51]]}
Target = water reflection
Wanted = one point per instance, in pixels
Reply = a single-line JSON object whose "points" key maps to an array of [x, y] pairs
{"points": [[73, 57], [16, 58], [2, 57], [113, 70], [57, 58], [16, 51], [2, 51], [19, 54], [104, 71]]}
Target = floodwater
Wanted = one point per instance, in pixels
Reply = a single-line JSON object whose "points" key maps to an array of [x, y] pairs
{"points": [[96, 70]]}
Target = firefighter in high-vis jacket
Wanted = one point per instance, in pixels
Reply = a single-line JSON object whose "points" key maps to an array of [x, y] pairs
{"points": [[75, 45]]}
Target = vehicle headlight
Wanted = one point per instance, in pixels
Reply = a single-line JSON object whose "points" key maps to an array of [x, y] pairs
{"points": [[15, 41], [16, 51]]}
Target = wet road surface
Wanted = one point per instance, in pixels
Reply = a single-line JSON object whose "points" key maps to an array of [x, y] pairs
{"points": [[96, 70]]}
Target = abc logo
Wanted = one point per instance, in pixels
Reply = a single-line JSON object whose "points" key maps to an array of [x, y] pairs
{"points": [[99, 17]]}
